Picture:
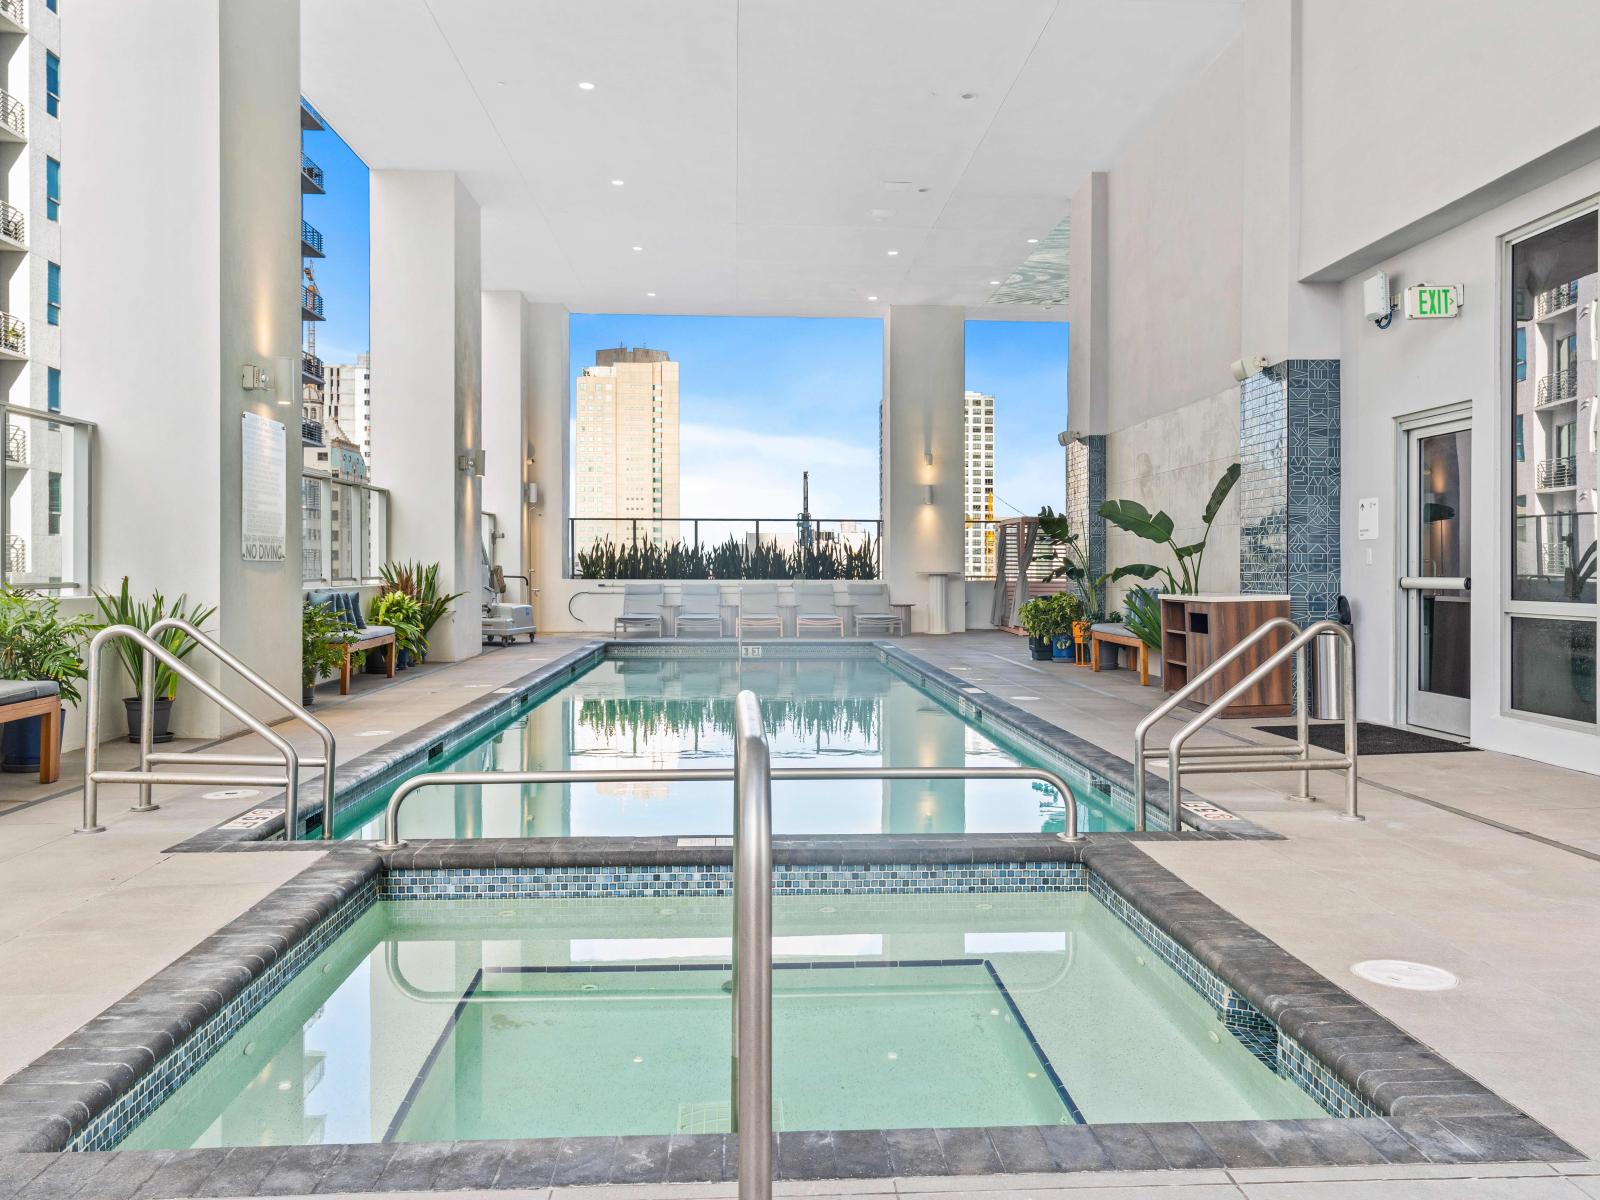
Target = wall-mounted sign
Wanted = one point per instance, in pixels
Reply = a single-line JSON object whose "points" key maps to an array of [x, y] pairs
{"points": [[1367, 519], [264, 466], [1433, 301]]}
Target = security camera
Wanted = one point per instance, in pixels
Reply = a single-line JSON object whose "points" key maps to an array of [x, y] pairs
{"points": [[1251, 364], [1068, 436]]}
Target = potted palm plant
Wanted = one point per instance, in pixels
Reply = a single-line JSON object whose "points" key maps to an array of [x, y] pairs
{"points": [[123, 609], [38, 644]]}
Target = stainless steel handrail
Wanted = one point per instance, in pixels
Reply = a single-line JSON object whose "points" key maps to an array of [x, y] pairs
{"points": [[1264, 756], [751, 1063], [93, 776], [1141, 732], [327, 762], [391, 817]]}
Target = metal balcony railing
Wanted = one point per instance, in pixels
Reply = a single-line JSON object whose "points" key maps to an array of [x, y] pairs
{"points": [[13, 224], [13, 334], [311, 433], [16, 554], [1557, 387], [13, 115], [1557, 472], [310, 240], [1554, 300], [16, 444], [310, 176], [15, 12], [311, 370], [310, 305]]}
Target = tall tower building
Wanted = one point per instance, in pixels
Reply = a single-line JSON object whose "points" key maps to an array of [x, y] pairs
{"points": [[348, 387], [37, 453], [626, 449], [979, 494]]}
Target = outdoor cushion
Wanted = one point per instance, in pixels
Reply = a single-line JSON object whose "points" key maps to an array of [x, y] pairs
{"points": [[343, 601], [1110, 627], [15, 691]]}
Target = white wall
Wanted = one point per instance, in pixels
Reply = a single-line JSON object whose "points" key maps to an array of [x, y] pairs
{"points": [[547, 346], [505, 407]]}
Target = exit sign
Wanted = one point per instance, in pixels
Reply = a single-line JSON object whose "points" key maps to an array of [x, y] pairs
{"points": [[1432, 301]]}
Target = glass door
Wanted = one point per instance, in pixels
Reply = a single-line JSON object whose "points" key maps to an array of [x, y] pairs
{"points": [[1437, 581]]}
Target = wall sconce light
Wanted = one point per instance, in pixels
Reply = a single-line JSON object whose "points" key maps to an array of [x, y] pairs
{"points": [[530, 493], [929, 498], [472, 462], [927, 457], [255, 379]]}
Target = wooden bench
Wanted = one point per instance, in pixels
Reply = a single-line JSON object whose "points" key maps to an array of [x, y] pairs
{"points": [[373, 637], [47, 706], [1119, 635]]}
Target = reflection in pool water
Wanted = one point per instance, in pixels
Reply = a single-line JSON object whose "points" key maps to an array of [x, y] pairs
{"points": [[678, 712]]}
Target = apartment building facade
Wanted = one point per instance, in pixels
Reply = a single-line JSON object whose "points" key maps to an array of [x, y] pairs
{"points": [[626, 482], [978, 493]]}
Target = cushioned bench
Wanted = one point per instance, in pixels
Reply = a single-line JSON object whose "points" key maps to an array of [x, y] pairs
{"points": [[367, 637], [1118, 635], [20, 699]]}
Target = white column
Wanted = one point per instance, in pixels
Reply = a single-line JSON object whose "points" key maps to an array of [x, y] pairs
{"points": [[427, 361], [505, 435], [924, 465], [183, 265], [1089, 366], [549, 423]]}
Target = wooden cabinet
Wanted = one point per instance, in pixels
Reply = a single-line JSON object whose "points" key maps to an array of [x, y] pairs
{"points": [[1198, 630]]}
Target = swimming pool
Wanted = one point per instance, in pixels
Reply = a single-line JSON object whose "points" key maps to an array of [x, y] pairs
{"points": [[449, 1021], [668, 711]]}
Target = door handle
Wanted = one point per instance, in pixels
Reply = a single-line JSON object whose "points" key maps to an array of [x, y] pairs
{"points": [[1436, 583]]}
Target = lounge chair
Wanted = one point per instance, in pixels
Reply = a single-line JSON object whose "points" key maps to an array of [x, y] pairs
{"points": [[816, 610], [641, 610], [700, 614], [874, 615], [758, 611]]}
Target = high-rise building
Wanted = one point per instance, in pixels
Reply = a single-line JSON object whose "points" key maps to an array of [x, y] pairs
{"points": [[979, 494], [314, 411], [348, 391], [37, 453], [626, 449]]}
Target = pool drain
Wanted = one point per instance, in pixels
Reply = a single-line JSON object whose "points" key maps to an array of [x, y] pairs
{"points": [[1411, 976]]}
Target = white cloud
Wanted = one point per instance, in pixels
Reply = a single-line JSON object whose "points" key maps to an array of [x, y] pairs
{"points": [[743, 473]]}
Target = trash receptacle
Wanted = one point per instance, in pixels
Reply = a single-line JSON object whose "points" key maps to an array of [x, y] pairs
{"points": [[1327, 672]]}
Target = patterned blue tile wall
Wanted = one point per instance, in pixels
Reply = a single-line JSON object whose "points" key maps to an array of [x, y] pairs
{"points": [[1289, 484], [1086, 492]]}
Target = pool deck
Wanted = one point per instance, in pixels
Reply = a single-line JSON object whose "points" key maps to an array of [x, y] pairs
{"points": [[1461, 857]]}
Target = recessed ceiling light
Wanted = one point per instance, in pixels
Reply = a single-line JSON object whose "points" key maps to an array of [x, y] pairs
{"points": [[969, 95], [1033, 241], [994, 283], [638, 248], [651, 295], [587, 87], [616, 183], [871, 297], [892, 253]]}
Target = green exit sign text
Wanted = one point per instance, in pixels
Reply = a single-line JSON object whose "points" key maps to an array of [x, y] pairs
{"points": [[1431, 301]]}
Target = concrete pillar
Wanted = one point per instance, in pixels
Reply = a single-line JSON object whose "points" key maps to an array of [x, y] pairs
{"points": [[427, 362], [185, 137], [1089, 364], [545, 345], [505, 430], [924, 462]]}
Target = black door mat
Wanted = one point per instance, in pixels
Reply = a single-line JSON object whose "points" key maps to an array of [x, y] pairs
{"points": [[1371, 738]]}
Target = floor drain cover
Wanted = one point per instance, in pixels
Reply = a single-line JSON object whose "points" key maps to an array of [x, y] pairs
{"points": [[231, 794], [1413, 977]]}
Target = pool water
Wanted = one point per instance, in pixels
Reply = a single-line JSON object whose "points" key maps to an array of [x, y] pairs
{"points": [[428, 1021], [678, 712]]}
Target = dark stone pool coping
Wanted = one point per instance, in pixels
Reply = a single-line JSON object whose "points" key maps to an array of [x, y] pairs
{"points": [[1434, 1113], [400, 756]]}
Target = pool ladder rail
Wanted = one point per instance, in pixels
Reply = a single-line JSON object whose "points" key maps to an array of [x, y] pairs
{"points": [[148, 775], [751, 776], [1182, 757]]}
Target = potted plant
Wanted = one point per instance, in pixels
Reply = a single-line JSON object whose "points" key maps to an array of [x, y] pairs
{"points": [[421, 582], [323, 632], [1074, 562], [123, 609], [38, 644], [1064, 645], [1044, 618], [403, 614]]}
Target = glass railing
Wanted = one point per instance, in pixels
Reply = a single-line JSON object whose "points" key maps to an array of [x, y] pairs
{"points": [[722, 547], [44, 523], [344, 529]]}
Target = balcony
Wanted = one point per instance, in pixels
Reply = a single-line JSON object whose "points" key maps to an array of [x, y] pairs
{"points": [[310, 368], [13, 336], [1557, 299], [16, 554], [13, 17], [13, 119], [1557, 387], [13, 227], [310, 305], [311, 433], [1555, 474], [310, 177], [310, 240], [309, 119], [16, 446]]}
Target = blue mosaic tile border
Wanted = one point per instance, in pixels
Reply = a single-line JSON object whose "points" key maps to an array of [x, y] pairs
{"points": [[152, 1089], [593, 883], [1253, 1028], [1086, 491]]}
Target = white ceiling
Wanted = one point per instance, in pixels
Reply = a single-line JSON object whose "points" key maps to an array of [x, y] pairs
{"points": [[773, 151]]}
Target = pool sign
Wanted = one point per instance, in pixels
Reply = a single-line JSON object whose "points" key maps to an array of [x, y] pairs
{"points": [[1433, 301]]}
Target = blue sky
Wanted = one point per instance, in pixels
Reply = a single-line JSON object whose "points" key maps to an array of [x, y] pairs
{"points": [[763, 398], [344, 217]]}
